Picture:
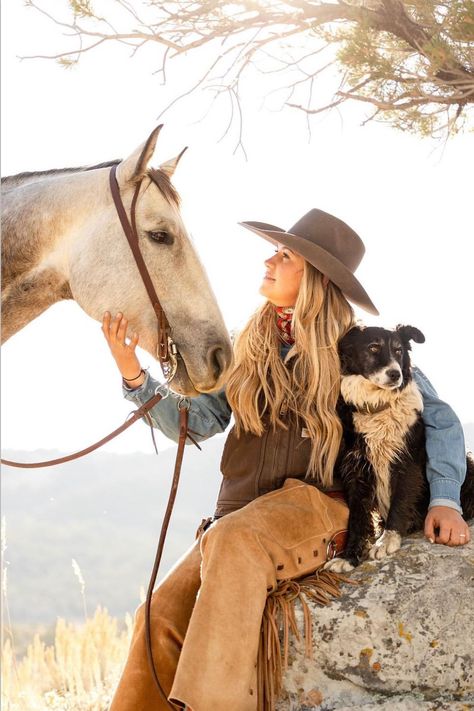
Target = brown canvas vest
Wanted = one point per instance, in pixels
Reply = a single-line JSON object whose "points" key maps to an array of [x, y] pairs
{"points": [[253, 465]]}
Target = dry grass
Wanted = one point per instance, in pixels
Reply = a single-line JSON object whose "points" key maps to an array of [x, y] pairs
{"points": [[77, 673]]}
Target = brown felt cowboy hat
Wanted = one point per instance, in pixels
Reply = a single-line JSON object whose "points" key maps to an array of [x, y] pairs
{"points": [[329, 245]]}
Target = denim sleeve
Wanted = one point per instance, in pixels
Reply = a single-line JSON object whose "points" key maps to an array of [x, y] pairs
{"points": [[208, 413], [445, 447]]}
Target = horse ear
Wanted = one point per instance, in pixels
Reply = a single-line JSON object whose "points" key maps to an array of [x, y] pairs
{"points": [[410, 333], [136, 165], [170, 166]]}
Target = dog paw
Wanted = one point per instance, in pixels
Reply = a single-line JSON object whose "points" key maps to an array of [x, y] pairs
{"points": [[338, 565], [388, 543]]}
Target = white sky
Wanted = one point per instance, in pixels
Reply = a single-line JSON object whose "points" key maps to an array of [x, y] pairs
{"points": [[408, 198]]}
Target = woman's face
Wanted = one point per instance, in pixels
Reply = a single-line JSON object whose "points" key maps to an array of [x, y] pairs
{"points": [[284, 271]]}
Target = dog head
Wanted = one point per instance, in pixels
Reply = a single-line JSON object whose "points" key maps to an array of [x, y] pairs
{"points": [[379, 355]]}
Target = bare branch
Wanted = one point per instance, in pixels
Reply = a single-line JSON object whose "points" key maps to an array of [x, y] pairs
{"points": [[412, 61]]}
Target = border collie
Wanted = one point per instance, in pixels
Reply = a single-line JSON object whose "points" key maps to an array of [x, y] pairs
{"points": [[383, 460]]}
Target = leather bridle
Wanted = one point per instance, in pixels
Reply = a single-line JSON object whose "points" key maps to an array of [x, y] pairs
{"points": [[167, 352], [168, 355]]}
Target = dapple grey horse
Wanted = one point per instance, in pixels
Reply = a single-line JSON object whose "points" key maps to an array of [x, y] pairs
{"points": [[62, 239]]}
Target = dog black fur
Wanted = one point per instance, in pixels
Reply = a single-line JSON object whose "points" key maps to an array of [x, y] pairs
{"points": [[382, 462]]}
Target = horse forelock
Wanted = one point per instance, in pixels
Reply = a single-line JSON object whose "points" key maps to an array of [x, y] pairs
{"points": [[164, 185]]}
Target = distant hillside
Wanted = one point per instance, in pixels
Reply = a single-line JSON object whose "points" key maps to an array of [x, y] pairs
{"points": [[105, 511], [469, 434]]}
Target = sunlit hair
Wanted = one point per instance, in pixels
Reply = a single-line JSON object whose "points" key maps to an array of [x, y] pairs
{"points": [[308, 385]]}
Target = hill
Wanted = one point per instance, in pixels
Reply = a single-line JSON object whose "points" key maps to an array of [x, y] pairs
{"points": [[105, 511]]}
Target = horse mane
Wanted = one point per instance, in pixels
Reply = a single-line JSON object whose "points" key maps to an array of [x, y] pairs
{"points": [[159, 177]]}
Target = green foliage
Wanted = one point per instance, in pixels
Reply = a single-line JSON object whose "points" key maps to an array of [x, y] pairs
{"points": [[413, 88], [81, 8], [411, 60]]}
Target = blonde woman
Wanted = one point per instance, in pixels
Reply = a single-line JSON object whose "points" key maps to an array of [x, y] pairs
{"points": [[279, 502]]}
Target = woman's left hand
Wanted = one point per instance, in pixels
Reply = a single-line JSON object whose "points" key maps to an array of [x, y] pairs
{"points": [[453, 530]]}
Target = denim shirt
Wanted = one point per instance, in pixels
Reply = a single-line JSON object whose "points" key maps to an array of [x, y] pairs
{"points": [[210, 414]]}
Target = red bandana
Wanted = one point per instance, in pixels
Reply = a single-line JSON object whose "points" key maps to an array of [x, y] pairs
{"points": [[284, 317]]}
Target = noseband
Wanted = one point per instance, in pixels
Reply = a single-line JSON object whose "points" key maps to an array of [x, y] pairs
{"points": [[167, 351]]}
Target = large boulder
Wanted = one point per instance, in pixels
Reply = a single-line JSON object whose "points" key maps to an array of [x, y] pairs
{"points": [[400, 640]]}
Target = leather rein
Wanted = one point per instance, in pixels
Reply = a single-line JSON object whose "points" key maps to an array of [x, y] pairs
{"points": [[168, 355]]}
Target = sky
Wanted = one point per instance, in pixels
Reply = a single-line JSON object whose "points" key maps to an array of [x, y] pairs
{"points": [[409, 198]]}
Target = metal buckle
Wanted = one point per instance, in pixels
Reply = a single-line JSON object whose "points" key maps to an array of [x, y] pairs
{"points": [[183, 403], [170, 366], [331, 550], [163, 385]]}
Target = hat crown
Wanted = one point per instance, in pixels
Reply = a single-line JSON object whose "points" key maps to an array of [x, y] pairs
{"points": [[331, 234]]}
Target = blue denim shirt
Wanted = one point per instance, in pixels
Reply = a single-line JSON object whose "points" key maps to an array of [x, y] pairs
{"points": [[210, 414]]}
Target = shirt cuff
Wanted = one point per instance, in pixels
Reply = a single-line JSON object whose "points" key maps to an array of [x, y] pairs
{"points": [[144, 391], [445, 488], [445, 502]]}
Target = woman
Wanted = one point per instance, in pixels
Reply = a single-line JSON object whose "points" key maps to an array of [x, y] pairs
{"points": [[278, 503]]}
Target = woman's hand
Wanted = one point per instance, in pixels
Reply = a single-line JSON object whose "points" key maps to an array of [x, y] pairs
{"points": [[124, 353], [453, 530]]}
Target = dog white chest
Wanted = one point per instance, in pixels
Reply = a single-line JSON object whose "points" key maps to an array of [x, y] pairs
{"points": [[384, 431]]}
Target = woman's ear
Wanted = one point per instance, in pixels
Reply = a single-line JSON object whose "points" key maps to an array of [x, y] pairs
{"points": [[325, 280]]}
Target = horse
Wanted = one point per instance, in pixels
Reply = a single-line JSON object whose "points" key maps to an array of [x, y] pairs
{"points": [[62, 239]]}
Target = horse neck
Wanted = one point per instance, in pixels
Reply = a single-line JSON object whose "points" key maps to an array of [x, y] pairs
{"points": [[40, 219], [38, 215]]}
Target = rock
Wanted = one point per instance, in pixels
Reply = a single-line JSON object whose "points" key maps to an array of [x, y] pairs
{"points": [[402, 639]]}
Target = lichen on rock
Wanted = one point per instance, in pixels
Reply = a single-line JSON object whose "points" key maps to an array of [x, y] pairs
{"points": [[402, 639]]}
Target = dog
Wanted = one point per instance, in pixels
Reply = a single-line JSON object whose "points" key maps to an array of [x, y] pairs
{"points": [[382, 461]]}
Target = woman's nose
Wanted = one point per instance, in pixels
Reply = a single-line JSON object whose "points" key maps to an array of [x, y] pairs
{"points": [[270, 261]]}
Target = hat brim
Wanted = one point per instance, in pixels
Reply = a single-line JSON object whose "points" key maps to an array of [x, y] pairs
{"points": [[325, 262]]}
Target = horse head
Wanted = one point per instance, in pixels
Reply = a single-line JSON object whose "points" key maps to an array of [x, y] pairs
{"points": [[103, 274]]}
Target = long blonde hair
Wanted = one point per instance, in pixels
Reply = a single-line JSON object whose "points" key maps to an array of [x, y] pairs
{"points": [[261, 383]]}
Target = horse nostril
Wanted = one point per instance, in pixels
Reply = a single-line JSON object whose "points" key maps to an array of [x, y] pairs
{"points": [[217, 360], [393, 375]]}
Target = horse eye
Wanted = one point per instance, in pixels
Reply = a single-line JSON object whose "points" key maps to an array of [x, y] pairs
{"points": [[161, 237]]}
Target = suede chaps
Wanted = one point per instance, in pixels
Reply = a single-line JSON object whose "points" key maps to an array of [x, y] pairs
{"points": [[207, 612]]}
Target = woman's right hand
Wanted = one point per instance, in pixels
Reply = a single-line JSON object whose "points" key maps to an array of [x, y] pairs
{"points": [[123, 353]]}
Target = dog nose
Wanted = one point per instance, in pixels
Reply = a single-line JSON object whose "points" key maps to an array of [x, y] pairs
{"points": [[393, 374]]}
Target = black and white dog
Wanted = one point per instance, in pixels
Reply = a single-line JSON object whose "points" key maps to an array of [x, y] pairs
{"points": [[383, 460]]}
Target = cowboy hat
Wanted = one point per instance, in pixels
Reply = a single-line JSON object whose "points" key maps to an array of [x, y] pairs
{"points": [[329, 245]]}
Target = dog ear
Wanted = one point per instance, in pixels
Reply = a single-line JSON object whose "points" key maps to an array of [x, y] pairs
{"points": [[346, 349], [410, 333]]}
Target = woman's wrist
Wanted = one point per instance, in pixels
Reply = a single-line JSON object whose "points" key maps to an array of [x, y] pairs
{"points": [[136, 381]]}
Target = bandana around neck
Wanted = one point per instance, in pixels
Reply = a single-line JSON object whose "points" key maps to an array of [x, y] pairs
{"points": [[284, 318]]}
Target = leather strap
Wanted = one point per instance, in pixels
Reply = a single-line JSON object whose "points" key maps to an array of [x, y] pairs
{"points": [[183, 434], [167, 356], [183, 430], [337, 544], [164, 329], [136, 415]]}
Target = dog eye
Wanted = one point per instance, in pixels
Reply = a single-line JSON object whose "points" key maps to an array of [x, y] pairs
{"points": [[374, 348], [161, 236], [398, 351]]}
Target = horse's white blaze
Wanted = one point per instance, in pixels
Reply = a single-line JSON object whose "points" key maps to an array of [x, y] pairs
{"points": [[384, 432]]}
